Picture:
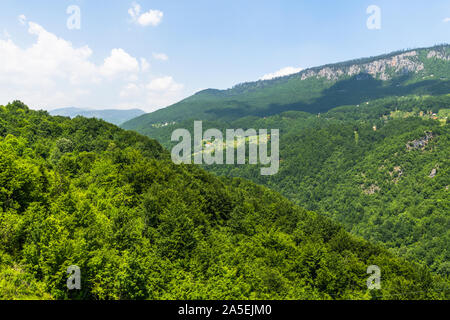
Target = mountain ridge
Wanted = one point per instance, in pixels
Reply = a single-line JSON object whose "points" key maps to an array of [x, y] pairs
{"points": [[317, 89], [352, 62], [114, 116]]}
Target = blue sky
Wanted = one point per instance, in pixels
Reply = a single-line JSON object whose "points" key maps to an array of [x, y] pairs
{"points": [[163, 51]]}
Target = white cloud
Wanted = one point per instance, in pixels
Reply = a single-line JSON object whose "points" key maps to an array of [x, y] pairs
{"points": [[130, 90], [144, 64], [163, 91], [52, 73], [281, 73], [159, 92], [50, 59], [22, 19], [149, 18], [160, 56], [119, 62], [446, 20], [152, 17], [134, 11], [164, 84]]}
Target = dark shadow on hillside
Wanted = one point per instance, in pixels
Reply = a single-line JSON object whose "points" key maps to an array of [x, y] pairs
{"points": [[359, 89], [231, 110]]}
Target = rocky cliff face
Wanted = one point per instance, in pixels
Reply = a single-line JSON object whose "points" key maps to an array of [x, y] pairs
{"points": [[438, 55], [386, 67], [379, 69], [382, 69]]}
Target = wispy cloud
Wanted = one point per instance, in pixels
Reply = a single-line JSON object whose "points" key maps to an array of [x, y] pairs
{"points": [[446, 20], [22, 19], [160, 56], [149, 18], [281, 73]]}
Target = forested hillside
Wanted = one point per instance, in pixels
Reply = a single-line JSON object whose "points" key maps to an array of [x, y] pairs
{"points": [[380, 169], [316, 90], [84, 192], [365, 142]]}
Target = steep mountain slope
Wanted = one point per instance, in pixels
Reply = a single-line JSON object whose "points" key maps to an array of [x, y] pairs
{"points": [[315, 90], [381, 169], [84, 192], [330, 150], [113, 116]]}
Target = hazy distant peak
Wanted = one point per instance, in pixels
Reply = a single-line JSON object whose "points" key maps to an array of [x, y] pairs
{"points": [[114, 116]]}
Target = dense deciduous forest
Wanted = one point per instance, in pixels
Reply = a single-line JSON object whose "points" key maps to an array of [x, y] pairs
{"points": [[84, 192], [359, 165], [367, 148]]}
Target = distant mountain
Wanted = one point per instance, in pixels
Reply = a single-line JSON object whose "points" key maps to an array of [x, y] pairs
{"points": [[316, 90], [116, 117]]}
